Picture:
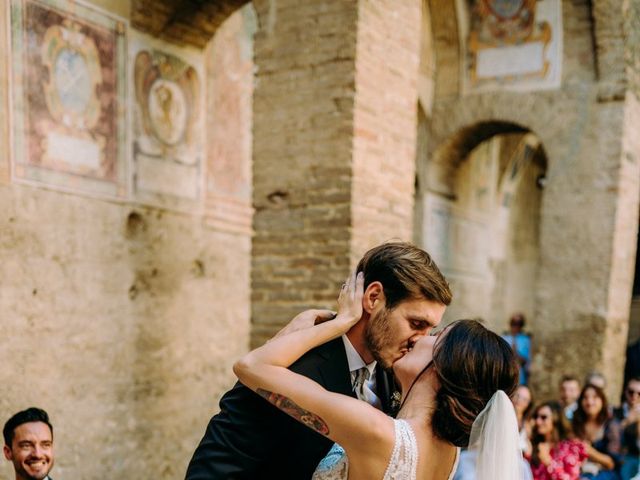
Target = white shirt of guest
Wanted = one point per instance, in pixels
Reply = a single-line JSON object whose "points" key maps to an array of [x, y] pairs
{"points": [[356, 363]]}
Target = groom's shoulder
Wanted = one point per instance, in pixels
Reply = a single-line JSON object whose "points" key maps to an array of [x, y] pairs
{"points": [[326, 356]]}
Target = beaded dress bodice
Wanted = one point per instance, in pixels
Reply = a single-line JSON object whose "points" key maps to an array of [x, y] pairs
{"points": [[402, 464]]}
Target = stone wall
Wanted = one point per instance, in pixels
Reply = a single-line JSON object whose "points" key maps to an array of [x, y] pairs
{"points": [[583, 286], [121, 320]]}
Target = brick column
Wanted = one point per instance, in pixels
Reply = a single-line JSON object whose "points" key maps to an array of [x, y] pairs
{"points": [[334, 138], [385, 122]]}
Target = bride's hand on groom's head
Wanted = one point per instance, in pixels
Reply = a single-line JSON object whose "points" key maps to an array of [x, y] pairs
{"points": [[350, 300]]}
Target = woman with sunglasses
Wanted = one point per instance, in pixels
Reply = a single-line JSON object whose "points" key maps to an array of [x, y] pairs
{"points": [[628, 415], [448, 381], [554, 455], [593, 424]]}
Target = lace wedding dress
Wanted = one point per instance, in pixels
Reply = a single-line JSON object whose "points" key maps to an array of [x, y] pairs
{"points": [[402, 464]]}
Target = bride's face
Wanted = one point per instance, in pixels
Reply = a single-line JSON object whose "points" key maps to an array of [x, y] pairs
{"points": [[409, 367]]}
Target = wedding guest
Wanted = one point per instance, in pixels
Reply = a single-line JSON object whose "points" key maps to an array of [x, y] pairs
{"points": [[554, 456], [28, 444], [629, 417], [523, 405], [569, 393], [521, 344], [601, 435]]}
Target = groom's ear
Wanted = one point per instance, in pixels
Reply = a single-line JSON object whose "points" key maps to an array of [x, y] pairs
{"points": [[373, 297]]}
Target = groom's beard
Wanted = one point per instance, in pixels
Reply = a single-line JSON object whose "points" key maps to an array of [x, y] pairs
{"points": [[378, 335]]}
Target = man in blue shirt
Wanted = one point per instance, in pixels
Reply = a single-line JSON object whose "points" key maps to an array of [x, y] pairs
{"points": [[521, 344]]}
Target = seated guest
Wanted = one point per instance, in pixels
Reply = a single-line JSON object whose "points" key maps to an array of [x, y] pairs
{"points": [[630, 469], [629, 417], [569, 393], [600, 433], [28, 444], [523, 405], [554, 456]]}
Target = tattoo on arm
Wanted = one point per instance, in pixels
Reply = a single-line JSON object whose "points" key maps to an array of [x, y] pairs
{"points": [[289, 407]]}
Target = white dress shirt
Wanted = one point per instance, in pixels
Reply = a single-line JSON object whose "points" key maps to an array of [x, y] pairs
{"points": [[356, 363]]}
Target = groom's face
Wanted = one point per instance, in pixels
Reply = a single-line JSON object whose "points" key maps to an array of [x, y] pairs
{"points": [[391, 333]]}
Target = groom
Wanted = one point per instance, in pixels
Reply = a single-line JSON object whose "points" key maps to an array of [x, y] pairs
{"points": [[405, 297]]}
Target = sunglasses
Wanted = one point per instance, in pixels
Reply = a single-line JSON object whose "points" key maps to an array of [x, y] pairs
{"points": [[631, 392], [541, 417]]}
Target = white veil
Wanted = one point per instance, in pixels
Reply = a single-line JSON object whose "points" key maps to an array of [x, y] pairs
{"points": [[494, 439]]}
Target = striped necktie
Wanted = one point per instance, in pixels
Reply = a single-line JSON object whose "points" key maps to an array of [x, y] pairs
{"points": [[362, 389]]}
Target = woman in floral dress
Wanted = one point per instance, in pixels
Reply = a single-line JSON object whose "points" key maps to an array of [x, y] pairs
{"points": [[554, 456]]}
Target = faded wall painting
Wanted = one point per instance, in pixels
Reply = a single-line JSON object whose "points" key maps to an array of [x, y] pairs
{"points": [[68, 97], [168, 141], [510, 44], [230, 74]]}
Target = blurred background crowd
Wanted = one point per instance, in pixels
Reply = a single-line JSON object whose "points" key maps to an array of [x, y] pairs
{"points": [[579, 433]]}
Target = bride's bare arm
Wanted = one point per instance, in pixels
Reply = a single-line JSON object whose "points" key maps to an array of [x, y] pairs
{"points": [[352, 423]]}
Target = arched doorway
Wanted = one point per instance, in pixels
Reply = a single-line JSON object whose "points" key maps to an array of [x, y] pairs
{"points": [[478, 213]]}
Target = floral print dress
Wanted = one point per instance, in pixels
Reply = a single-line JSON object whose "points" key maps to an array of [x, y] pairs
{"points": [[566, 458]]}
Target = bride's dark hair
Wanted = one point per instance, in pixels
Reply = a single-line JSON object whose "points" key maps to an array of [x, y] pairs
{"points": [[471, 363]]}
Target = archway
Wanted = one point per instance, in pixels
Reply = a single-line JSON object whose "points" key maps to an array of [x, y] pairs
{"points": [[478, 213]]}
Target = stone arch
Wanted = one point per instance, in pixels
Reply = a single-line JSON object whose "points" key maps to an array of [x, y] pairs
{"points": [[182, 21], [478, 212], [574, 293]]}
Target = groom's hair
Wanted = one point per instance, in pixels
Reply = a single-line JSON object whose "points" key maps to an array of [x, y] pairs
{"points": [[405, 272], [31, 414], [471, 364]]}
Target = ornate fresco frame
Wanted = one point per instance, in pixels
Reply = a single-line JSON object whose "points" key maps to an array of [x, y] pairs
{"points": [[167, 173], [71, 136]]}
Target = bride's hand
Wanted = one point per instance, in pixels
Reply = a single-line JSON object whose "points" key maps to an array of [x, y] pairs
{"points": [[306, 319], [350, 300]]}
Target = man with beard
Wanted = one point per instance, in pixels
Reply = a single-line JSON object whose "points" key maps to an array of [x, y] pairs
{"points": [[405, 297], [28, 444]]}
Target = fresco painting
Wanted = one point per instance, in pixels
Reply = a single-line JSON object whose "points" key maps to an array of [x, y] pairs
{"points": [[68, 97], [510, 44], [168, 141]]}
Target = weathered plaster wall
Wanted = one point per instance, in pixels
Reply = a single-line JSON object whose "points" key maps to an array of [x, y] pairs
{"points": [[123, 321]]}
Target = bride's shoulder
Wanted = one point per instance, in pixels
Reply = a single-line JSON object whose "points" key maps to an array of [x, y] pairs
{"points": [[380, 432]]}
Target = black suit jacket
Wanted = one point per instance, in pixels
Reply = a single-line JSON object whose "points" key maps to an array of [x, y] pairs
{"points": [[252, 439]]}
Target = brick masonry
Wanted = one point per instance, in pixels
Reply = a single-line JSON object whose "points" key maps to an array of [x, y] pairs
{"points": [[334, 145]]}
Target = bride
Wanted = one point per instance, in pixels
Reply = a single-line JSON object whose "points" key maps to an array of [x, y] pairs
{"points": [[454, 394]]}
